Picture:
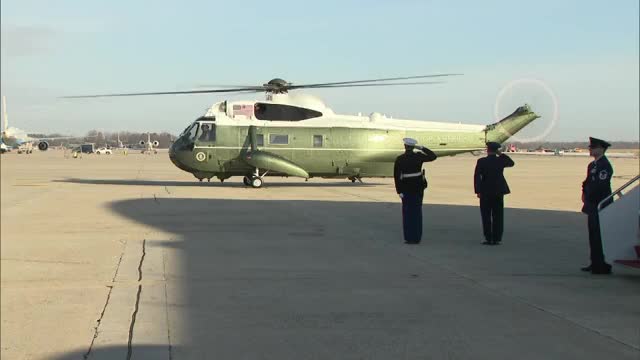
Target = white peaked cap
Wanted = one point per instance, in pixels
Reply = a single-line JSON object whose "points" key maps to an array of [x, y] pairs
{"points": [[410, 141]]}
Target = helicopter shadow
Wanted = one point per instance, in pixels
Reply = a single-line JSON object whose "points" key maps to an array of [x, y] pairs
{"points": [[309, 279], [136, 182]]}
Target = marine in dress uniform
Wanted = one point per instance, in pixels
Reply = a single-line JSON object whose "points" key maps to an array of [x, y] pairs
{"points": [[490, 187], [410, 184], [595, 188]]}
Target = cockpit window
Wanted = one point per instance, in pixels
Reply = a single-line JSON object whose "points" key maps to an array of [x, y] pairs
{"points": [[193, 131], [207, 132], [281, 112], [186, 130]]}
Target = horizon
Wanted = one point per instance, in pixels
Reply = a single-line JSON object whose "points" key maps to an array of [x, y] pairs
{"points": [[577, 57], [128, 132]]}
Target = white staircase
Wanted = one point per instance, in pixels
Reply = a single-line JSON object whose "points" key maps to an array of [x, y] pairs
{"points": [[620, 225]]}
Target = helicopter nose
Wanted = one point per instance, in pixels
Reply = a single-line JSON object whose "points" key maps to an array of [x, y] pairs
{"points": [[173, 152]]}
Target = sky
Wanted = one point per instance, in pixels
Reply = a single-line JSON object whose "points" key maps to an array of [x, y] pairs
{"points": [[575, 62]]}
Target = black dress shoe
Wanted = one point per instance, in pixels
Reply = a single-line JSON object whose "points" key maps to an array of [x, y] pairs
{"points": [[487, 243], [586, 268], [601, 270]]}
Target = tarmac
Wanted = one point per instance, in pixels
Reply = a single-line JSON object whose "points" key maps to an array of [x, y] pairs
{"points": [[128, 257]]}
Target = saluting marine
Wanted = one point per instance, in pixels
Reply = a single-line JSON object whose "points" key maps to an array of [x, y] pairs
{"points": [[595, 188], [491, 186], [410, 184]]}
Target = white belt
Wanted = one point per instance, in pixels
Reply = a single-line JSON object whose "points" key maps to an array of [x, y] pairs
{"points": [[404, 176]]}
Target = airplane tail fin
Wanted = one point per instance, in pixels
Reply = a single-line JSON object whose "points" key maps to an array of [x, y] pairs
{"points": [[507, 127], [5, 120]]}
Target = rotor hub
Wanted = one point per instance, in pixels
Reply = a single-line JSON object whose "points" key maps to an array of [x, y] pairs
{"points": [[278, 86]]}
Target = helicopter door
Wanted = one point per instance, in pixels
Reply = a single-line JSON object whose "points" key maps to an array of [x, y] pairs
{"points": [[340, 141]]}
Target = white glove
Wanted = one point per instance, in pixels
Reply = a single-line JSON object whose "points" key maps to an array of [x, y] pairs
{"points": [[401, 195]]}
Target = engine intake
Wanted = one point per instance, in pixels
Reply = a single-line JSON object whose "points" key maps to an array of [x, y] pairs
{"points": [[43, 145]]}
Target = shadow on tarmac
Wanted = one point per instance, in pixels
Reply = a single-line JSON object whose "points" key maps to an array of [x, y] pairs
{"points": [[279, 279], [213, 183]]}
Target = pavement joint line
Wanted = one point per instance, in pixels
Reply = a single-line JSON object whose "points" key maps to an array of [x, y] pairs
{"points": [[104, 309], [357, 196], [46, 261]]}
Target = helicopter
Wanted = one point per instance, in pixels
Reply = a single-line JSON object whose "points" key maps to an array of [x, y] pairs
{"points": [[296, 134]]}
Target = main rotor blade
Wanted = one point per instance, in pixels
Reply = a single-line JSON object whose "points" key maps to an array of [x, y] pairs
{"points": [[372, 80], [366, 85], [247, 89], [226, 86]]}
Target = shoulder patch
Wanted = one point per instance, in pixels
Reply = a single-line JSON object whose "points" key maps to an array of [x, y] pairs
{"points": [[603, 174]]}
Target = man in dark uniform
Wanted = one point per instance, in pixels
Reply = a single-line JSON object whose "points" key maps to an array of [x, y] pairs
{"points": [[490, 187], [410, 184], [595, 188]]}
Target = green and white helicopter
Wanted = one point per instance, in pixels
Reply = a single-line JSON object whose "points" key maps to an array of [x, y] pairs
{"points": [[298, 135]]}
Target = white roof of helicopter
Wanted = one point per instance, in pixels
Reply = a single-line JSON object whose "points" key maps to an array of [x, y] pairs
{"points": [[330, 119]]}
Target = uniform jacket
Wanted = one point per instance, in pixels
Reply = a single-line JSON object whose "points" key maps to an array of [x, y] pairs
{"points": [[597, 186], [489, 178], [410, 163]]}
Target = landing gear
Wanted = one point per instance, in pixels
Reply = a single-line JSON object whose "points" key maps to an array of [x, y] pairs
{"points": [[254, 180], [354, 178]]}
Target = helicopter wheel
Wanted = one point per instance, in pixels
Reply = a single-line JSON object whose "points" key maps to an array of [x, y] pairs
{"points": [[246, 180], [256, 182]]}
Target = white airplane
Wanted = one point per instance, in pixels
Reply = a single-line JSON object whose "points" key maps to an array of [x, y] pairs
{"points": [[13, 137], [150, 146]]}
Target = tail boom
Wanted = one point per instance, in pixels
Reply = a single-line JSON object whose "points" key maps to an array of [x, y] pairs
{"points": [[510, 125]]}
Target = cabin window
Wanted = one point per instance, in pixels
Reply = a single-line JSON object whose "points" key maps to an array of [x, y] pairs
{"points": [[317, 141], [259, 140], [277, 139], [281, 112]]}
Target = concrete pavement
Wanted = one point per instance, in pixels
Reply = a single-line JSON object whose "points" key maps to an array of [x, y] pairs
{"points": [[127, 257]]}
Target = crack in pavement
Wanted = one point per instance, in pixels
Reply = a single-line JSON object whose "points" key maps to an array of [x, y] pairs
{"points": [[137, 304], [104, 308], [133, 323], [166, 303], [144, 253]]}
